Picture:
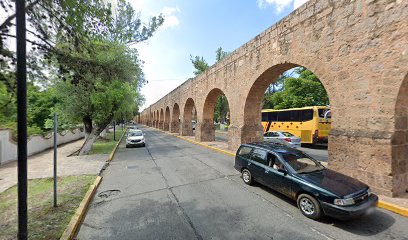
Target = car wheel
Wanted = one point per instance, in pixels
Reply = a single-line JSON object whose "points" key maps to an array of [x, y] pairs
{"points": [[127, 146], [309, 206], [144, 144], [247, 177]]}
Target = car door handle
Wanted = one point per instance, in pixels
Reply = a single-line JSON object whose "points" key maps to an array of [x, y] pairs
{"points": [[266, 171], [249, 163]]}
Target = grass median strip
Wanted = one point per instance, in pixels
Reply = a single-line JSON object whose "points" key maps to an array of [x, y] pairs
{"points": [[106, 145], [44, 221]]}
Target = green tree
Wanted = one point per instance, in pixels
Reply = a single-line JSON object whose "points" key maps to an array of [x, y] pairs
{"points": [[301, 92], [199, 64]]}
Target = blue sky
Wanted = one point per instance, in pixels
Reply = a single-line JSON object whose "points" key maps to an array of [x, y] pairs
{"points": [[199, 27]]}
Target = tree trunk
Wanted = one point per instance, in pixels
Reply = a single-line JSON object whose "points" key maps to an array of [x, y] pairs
{"points": [[91, 138], [88, 126]]}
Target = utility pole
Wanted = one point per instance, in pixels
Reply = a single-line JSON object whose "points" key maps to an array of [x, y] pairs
{"points": [[21, 119], [55, 158]]}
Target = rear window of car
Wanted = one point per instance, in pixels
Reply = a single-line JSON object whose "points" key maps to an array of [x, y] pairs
{"points": [[287, 134], [244, 151]]}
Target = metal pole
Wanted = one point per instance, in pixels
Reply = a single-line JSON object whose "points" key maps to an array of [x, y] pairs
{"points": [[114, 130], [21, 119], [55, 159]]}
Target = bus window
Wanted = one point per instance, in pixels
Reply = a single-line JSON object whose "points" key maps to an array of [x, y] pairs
{"points": [[307, 115], [284, 116], [273, 116], [295, 116], [322, 112], [265, 117]]}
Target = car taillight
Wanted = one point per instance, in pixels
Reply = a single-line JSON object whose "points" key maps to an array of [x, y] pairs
{"points": [[287, 139]]}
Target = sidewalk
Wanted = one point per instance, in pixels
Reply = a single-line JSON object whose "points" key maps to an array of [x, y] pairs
{"points": [[41, 165]]}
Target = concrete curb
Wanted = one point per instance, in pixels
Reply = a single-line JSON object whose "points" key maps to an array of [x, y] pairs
{"points": [[393, 208], [79, 215], [381, 204], [112, 154]]}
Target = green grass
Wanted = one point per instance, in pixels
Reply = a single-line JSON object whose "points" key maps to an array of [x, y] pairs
{"points": [[44, 221], [106, 145]]}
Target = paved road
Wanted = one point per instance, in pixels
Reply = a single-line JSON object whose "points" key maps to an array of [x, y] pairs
{"points": [[173, 189], [318, 152]]}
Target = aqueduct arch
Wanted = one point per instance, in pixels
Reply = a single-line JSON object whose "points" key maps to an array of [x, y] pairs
{"points": [[205, 126], [175, 119], [186, 126], [166, 126], [358, 49]]}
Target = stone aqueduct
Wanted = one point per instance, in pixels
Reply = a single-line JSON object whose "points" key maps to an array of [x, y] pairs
{"points": [[359, 51]]}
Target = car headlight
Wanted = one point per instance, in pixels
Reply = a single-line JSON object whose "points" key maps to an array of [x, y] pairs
{"points": [[344, 202]]}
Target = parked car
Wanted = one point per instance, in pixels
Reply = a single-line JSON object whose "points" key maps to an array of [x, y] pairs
{"points": [[288, 137], [317, 190], [135, 138]]}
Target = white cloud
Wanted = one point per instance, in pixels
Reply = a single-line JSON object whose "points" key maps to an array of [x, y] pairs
{"points": [[280, 5], [298, 3], [170, 19]]}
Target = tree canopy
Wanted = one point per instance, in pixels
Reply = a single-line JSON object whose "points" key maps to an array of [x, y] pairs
{"points": [[82, 51], [303, 89]]}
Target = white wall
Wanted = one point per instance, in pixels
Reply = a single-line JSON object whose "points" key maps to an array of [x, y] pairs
{"points": [[35, 144]]}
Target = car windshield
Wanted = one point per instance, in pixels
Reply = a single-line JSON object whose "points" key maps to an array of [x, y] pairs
{"points": [[135, 134], [302, 163], [287, 134]]}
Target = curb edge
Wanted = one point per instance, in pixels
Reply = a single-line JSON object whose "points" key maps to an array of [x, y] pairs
{"points": [[79, 215]]}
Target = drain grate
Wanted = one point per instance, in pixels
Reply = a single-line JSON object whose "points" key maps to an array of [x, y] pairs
{"points": [[109, 193]]}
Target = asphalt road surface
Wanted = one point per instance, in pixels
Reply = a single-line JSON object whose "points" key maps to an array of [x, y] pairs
{"points": [[173, 189]]}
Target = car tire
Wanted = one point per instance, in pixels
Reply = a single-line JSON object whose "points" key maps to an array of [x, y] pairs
{"points": [[144, 144], [247, 177], [127, 146], [309, 206]]}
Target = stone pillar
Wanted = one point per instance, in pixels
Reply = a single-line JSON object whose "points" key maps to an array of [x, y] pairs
{"points": [[175, 127], [205, 131], [365, 155], [166, 126], [186, 128], [243, 134]]}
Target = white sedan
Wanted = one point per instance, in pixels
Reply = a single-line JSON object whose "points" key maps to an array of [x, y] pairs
{"points": [[135, 138], [286, 138]]}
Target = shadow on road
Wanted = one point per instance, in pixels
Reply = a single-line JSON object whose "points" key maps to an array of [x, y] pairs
{"points": [[368, 225]]}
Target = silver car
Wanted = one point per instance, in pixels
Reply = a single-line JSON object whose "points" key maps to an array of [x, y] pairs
{"points": [[286, 138]]}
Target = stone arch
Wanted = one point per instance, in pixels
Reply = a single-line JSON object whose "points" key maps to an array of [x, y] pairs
{"points": [[205, 128], [252, 129], [399, 142], [175, 119], [161, 119], [187, 127], [166, 126]]}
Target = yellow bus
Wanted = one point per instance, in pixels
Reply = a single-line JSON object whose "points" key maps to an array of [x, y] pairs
{"points": [[311, 124]]}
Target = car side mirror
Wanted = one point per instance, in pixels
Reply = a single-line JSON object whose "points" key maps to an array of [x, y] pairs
{"points": [[283, 171]]}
